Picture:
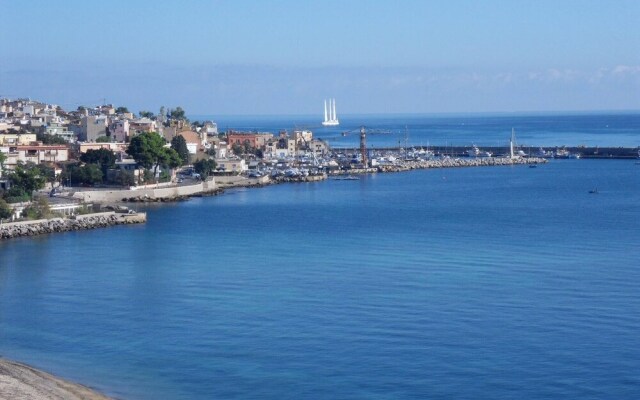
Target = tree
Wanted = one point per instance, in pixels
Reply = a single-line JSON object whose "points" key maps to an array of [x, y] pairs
{"points": [[179, 144], [148, 150], [50, 139], [3, 158], [146, 114], [237, 149], [204, 167], [26, 178], [5, 210], [122, 110], [103, 139], [104, 158], [177, 114], [89, 174]]}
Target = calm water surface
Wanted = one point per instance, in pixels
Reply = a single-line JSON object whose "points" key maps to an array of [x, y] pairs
{"points": [[498, 282]]}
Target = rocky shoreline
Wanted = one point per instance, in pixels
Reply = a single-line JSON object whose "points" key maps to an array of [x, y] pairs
{"points": [[20, 381], [80, 222]]}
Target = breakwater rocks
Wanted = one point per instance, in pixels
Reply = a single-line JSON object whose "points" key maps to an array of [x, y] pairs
{"points": [[301, 178], [80, 222], [447, 162]]}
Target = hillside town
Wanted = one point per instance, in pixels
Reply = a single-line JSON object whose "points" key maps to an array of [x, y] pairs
{"points": [[55, 162], [111, 147]]}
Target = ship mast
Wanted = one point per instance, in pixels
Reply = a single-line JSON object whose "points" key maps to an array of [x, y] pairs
{"points": [[325, 111], [334, 110]]}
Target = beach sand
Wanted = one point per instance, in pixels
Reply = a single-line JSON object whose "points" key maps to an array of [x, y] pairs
{"points": [[22, 382]]}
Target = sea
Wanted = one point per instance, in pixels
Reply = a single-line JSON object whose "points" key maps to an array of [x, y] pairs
{"points": [[473, 283]]}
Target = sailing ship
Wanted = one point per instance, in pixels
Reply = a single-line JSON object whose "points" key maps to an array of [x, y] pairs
{"points": [[330, 118]]}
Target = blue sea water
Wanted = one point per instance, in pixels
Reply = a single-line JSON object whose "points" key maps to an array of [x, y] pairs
{"points": [[493, 282], [532, 130]]}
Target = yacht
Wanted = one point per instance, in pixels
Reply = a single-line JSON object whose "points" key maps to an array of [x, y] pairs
{"points": [[330, 117], [476, 152]]}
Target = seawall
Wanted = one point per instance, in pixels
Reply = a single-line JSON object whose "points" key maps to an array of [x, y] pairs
{"points": [[159, 193], [78, 223]]}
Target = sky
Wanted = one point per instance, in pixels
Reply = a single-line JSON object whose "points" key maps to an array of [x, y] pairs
{"points": [[246, 57]]}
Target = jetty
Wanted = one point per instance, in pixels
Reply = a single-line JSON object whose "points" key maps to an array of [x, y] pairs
{"points": [[74, 223]]}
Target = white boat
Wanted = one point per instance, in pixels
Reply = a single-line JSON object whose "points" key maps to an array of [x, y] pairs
{"points": [[476, 152], [564, 153], [330, 117]]}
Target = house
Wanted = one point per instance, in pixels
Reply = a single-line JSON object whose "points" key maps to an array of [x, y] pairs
{"points": [[193, 141], [17, 139], [115, 147], [221, 149], [255, 140], [58, 129], [211, 128], [92, 127], [119, 130], [138, 126], [36, 153], [232, 165]]}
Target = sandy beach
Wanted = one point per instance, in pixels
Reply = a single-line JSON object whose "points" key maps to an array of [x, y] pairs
{"points": [[22, 382]]}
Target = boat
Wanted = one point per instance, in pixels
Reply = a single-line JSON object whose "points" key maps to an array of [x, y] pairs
{"points": [[542, 153], [330, 117], [564, 153], [594, 191], [476, 152], [533, 166], [346, 178]]}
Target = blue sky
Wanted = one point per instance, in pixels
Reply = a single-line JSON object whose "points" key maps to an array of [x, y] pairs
{"points": [[285, 57]]}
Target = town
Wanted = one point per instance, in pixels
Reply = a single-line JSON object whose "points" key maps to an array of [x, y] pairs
{"points": [[58, 162]]}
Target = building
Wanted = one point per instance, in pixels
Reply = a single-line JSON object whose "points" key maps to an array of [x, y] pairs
{"points": [[58, 129], [138, 126], [119, 130], [92, 127], [36, 154], [255, 140], [232, 165], [211, 128], [15, 139], [193, 141], [115, 147]]}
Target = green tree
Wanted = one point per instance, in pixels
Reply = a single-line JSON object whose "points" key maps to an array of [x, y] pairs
{"points": [[27, 178], [103, 139], [5, 210], [146, 114], [177, 114], [122, 110], [179, 144], [50, 139], [148, 150], [124, 178], [237, 149], [104, 158], [3, 158], [89, 174], [204, 167], [38, 210]]}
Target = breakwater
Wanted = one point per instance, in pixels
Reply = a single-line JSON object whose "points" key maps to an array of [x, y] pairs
{"points": [[78, 223], [446, 162]]}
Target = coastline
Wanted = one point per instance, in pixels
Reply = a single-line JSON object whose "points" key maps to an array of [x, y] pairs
{"points": [[21, 381]]}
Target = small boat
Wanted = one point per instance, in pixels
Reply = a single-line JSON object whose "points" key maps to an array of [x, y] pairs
{"points": [[594, 191], [533, 166], [346, 178]]}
